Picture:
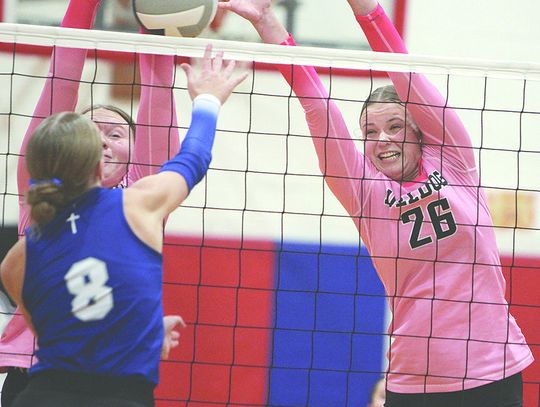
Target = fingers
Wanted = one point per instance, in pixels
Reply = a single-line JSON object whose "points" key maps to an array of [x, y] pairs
{"points": [[207, 59], [213, 77], [240, 79], [229, 67], [224, 5], [228, 71], [215, 63], [218, 61], [174, 340], [173, 321], [181, 323], [188, 70]]}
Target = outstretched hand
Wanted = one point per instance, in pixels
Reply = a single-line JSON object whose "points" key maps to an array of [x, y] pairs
{"points": [[171, 337], [251, 10], [214, 77], [260, 14]]}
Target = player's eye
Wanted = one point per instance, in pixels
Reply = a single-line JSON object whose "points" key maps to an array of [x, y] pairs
{"points": [[371, 134]]}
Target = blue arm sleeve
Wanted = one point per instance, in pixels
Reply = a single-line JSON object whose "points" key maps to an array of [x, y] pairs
{"points": [[195, 153]]}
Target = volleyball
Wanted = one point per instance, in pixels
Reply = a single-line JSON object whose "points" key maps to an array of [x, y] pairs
{"points": [[177, 18]]}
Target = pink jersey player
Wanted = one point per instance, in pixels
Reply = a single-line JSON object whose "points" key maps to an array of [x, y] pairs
{"points": [[131, 152], [415, 199]]}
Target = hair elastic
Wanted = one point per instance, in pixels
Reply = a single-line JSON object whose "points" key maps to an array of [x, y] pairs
{"points": [[34, 182]]}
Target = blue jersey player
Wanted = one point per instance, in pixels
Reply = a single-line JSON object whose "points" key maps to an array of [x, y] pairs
{"points": [[88, 273]]}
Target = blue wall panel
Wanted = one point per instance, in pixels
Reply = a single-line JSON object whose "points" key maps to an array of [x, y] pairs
{"points": [[330, 327]]}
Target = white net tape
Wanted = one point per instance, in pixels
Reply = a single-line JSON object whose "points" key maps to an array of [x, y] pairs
{"points": [[244, 51]]}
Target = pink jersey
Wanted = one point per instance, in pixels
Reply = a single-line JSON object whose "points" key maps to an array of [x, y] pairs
{"points": [[156, 138], [431, 240]]}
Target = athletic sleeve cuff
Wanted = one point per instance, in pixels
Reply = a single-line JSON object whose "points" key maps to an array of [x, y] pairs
{"points": [[371, 16], [207, 102], [195, 154], [289, 41]]}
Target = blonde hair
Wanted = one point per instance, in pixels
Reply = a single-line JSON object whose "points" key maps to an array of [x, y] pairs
{"points": [[123, 114], [387, 94], [384, 94], [61, 158]]}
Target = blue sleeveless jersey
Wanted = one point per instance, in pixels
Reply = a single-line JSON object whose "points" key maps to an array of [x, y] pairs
{"points": [[93, 290]]}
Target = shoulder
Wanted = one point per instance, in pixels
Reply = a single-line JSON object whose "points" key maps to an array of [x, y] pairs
{"points": [[15, 255], [158, 193]]}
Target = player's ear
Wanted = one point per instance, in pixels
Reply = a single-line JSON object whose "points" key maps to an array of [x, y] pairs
{"points": [[99, 170]]}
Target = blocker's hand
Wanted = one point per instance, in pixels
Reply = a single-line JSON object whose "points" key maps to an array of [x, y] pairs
{"points": [[251, 10], [215, 76]]}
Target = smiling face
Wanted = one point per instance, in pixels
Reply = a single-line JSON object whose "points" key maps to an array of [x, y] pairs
{"points": [[392, 140], [117, 144]]}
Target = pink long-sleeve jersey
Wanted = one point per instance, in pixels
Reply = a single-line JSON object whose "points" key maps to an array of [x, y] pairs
{"points": [[156, 138], [431, 240]]}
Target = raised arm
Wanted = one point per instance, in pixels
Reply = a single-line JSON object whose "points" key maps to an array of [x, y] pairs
{"points": [[440, 126], [343, 166], [152, 198], [61, 87], [157, 136], [341, 163]]}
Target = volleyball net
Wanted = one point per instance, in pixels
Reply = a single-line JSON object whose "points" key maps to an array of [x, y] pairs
{"points": [[283, 304]]}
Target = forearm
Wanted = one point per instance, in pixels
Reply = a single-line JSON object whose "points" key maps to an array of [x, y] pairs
{"points": [[193, 159], [270, 28], [157, 136], [62, 84], [440, 125], [339, 160], [362, 7], [323, 116]]}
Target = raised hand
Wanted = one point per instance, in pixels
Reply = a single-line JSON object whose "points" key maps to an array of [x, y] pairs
{"points": [[260, 14], [215, 76], [251, 10]]}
